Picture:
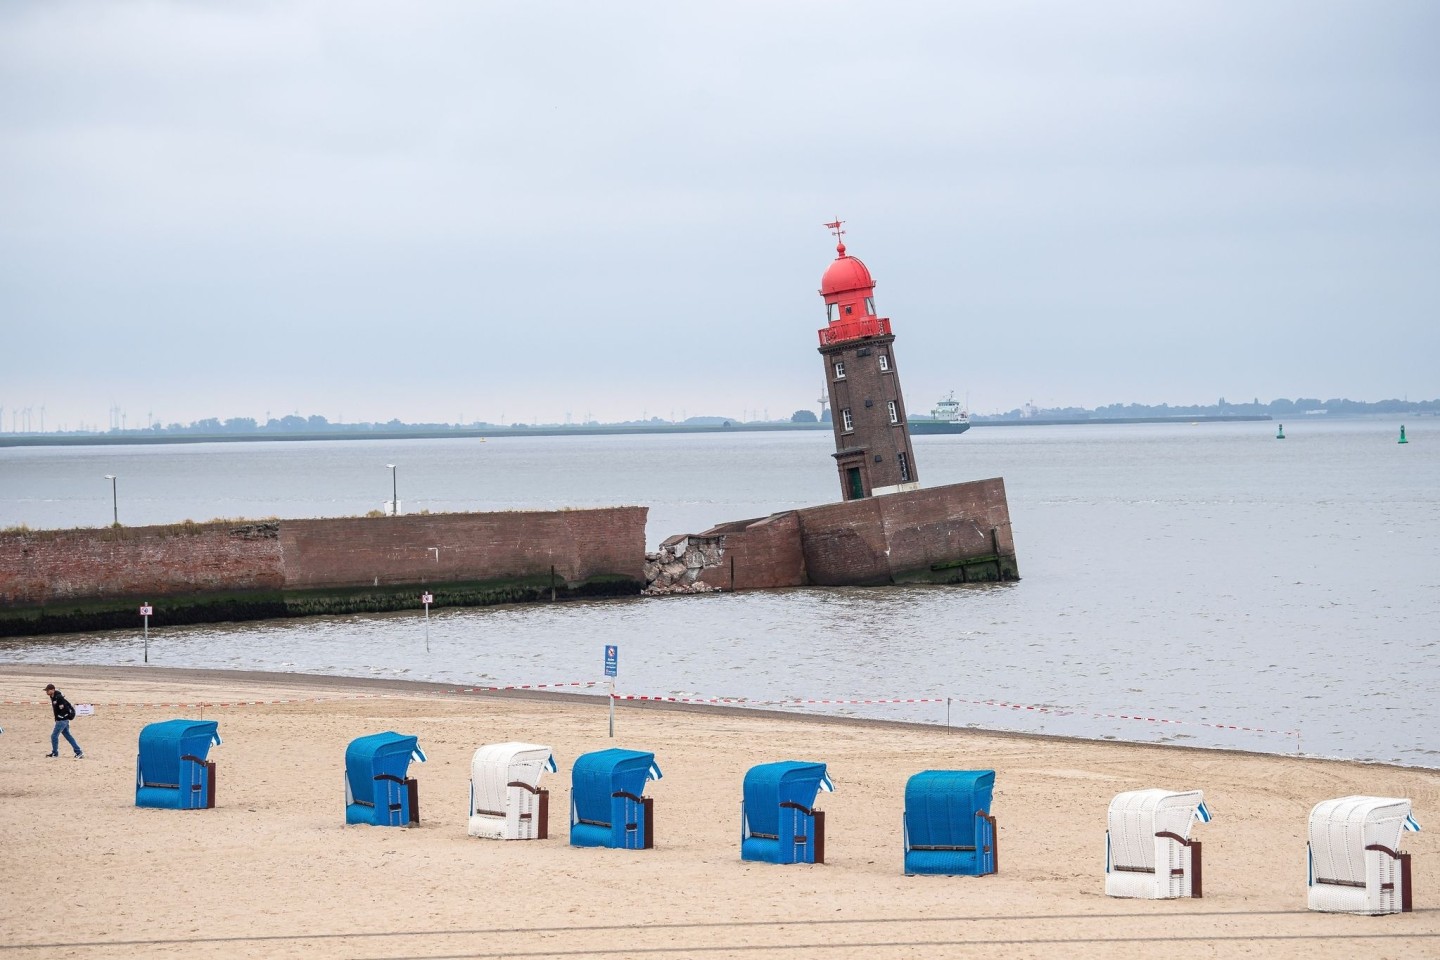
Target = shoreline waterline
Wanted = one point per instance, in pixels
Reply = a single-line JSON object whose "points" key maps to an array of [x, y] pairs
{"points": [[383, 687]]}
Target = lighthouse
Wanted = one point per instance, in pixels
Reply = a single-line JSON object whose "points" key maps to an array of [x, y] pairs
{"points": [[872, 440]]}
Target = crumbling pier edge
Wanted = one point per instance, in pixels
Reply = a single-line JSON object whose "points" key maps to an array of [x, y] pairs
{"points": [[958, 533]]}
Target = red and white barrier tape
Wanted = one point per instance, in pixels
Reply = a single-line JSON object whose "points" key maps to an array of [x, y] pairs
{"points": [[210, 703], [723, 701], [1029, 708], [529, 686], [742, 701], [1065, 711]]}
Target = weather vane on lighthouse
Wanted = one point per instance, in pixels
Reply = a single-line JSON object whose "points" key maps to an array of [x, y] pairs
{"points": [[835, 228]]}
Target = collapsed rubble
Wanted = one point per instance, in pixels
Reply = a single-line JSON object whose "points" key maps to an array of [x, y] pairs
{"points": [[677, 566]]}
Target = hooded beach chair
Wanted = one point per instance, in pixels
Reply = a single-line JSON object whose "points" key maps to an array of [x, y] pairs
{"points": [[778, 822], [171, 770], [377, 791], [1355, 861], [1148, 851], [506, 802], [607, 808], [948, 826]]}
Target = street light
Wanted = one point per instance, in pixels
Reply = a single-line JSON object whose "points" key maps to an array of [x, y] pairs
{"points": [[394, 492], [114, 498]]}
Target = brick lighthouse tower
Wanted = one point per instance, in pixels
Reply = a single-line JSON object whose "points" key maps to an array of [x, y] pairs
{"points": [[872, 441]]}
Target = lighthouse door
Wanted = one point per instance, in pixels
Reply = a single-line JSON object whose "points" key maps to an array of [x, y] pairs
{"points": [[855, 487]]}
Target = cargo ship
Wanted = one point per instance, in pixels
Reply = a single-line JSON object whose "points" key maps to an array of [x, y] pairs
{"points": [[947, 417]]}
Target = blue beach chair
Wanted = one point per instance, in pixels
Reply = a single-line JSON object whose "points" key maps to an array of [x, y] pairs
{"points": [[607, 808], [948, 827], [778, 819], [172, 771], [377, 790]]}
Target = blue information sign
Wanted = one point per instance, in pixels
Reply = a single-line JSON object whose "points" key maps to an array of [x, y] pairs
{"points": [[612, 659]]}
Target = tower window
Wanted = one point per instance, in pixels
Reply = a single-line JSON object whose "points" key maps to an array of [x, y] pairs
{"points": [[832, 312], [847, 420], [839, 369], [884, 362], [894, 412], [904, 462], [870, 306]]}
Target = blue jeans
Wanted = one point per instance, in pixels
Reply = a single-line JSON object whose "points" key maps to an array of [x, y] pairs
{"points": [[63, 726]]}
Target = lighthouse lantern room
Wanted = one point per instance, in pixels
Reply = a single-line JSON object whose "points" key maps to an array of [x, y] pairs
{"points": [[872, 441]]}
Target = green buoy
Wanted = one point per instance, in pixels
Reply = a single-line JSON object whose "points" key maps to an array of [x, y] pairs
{"points": [[1402, 434], [1280, 434]]}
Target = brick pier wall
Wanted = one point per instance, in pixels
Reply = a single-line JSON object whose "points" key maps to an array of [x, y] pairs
{"points": [[902, 536], [942, 534], [433, 548], [761, 554], [38, 568], [63, 565]]}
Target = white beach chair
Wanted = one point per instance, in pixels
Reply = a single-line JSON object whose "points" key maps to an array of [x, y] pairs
{"points": [[1355, 861], [506, 802], [1148, 850]]}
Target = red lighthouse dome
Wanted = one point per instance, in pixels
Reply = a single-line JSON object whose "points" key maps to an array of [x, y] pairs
{"points": [[849, 294], [846, 275]]}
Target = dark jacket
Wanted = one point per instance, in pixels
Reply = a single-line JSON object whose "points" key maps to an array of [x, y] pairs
{"points": [[61, 706]]}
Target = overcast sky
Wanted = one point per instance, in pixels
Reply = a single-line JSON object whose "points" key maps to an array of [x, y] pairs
{"points": [[522, 211]]}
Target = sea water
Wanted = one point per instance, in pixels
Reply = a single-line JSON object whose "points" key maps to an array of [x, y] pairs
{"points": [[1202, 584]]}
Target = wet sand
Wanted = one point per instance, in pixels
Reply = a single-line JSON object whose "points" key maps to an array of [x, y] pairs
{"points": [[273, 871]]}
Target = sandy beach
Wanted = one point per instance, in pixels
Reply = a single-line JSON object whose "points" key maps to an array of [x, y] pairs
{"points": [[273, 872]]}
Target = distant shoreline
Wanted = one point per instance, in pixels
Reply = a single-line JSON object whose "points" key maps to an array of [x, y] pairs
{"points": [[487, 433]]}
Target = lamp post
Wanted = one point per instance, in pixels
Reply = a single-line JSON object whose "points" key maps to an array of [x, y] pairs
{"points": [[394, 492], [114, 499]]}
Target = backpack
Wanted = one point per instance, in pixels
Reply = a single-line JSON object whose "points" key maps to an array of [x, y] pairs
{"points": [[67, 710]]}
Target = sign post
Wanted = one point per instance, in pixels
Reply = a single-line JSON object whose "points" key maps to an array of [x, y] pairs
{"points": [[427, 599], [612, 664], [145, 611]]}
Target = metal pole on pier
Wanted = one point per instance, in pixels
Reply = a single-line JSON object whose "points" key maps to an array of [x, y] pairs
{"points": [[145, 611], [427, 599]]}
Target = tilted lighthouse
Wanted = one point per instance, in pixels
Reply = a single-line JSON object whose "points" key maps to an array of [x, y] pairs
{"points": [[953, 533], [872, 441]]}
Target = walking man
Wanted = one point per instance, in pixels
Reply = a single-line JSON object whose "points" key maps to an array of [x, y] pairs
{"points": [[64, 713]]}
